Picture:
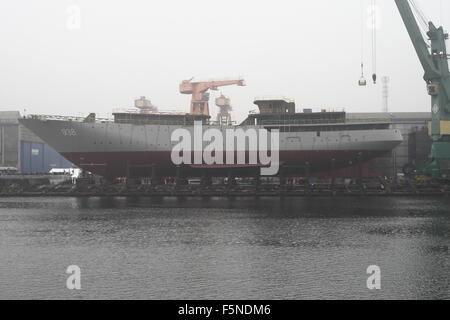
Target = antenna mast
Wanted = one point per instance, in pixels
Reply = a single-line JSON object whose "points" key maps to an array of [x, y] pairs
{"points": [[385, 81]]}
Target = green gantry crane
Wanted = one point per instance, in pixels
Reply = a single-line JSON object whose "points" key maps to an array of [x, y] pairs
{"points": [[434, 61]]}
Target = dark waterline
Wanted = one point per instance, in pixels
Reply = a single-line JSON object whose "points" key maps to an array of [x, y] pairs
{"points": [[217, 248]]}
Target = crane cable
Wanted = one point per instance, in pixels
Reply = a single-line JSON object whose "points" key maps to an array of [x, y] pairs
{"points": [[362, 79], [419, 13], [422, 20], [374, 41]]}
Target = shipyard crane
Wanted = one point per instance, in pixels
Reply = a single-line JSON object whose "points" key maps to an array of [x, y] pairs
{"points": [[200, 95], [434, 60], [224, 115]]}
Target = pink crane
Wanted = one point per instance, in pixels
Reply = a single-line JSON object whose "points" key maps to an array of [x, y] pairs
{"points": [[200, 95]]}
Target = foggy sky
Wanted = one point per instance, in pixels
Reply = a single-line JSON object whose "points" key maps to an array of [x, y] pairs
{"points": [[306, 50]]}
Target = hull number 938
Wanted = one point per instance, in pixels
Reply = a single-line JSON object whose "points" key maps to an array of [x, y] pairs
{"points": [[68, 132]]}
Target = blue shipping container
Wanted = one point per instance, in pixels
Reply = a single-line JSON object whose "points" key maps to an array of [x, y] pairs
{"points": [[40, 158]]}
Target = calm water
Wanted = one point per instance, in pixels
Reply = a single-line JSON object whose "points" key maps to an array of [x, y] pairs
{"points": [[224, 249]]}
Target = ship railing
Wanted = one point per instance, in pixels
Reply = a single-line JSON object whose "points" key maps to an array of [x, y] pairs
{"points": [[170, 122], [213, 123], [67, 118], [321, 121], [134, 111], [122, 121], [274, 97]]}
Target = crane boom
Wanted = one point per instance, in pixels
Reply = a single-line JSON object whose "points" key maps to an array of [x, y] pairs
{"points": [[198, 90], [435, 65], [419, 43]]}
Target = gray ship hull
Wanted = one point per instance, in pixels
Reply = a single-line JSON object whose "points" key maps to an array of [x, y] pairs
{"points": [[118, 150]]}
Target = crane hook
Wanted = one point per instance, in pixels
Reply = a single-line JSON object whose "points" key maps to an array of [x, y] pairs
{"points": [[362, 81]]}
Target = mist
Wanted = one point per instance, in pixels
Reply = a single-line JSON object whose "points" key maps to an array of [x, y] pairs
{"points": [[119, 50]]}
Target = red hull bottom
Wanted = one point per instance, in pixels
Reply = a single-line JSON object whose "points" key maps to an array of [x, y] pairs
{"points": [[141, 164]]}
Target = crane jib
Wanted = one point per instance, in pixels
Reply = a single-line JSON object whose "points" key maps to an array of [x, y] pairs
{"points": [[434, 60]]}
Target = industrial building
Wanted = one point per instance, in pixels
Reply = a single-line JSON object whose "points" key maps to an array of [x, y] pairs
{"points": [[22, 149]]}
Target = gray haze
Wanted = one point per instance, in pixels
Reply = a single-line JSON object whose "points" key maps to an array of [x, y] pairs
{"points": [[307, 50]]}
